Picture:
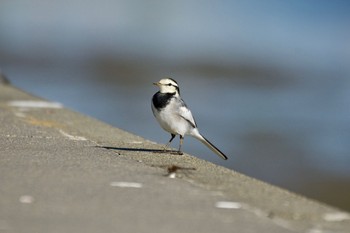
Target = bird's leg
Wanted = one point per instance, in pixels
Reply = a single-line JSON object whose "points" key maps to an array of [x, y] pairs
{"points": [[168, 144], [181, 141]]}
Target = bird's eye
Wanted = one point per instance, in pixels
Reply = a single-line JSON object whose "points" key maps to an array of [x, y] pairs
{"points": [[169, 84]]}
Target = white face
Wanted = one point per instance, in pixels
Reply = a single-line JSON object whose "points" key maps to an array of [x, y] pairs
{"points": [[167, 86]]}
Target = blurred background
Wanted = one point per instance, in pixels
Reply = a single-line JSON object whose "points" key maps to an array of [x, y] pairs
{"points": [[267, 81]]}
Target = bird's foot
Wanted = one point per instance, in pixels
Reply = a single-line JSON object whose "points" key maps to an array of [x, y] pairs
{"points": [[173, 152], [179, 152]]}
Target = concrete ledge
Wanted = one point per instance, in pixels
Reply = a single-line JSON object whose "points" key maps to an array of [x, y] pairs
{"points": [[64, 172]]}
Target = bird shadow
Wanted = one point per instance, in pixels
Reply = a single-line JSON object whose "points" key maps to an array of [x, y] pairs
{"points": [[161, 151]]}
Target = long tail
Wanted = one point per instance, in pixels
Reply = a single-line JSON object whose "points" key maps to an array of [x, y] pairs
{"points": [[210, 145]]}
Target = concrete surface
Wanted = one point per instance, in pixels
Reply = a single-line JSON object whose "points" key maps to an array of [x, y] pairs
{"points": [[61, 171]]}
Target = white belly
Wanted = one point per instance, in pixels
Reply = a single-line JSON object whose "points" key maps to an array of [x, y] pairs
{"points": [[172, 122]]}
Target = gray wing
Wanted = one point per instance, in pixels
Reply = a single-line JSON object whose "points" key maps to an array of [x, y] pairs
{"points": [[186, 114]]}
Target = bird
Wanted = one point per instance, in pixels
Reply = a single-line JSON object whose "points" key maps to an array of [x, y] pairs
{"points": [[175, 117]]}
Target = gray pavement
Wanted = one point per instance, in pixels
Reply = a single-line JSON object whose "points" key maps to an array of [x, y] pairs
{"points": [[61, 171]]}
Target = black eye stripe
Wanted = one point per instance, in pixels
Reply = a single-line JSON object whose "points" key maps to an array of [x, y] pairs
{"points": [[169, 84]]}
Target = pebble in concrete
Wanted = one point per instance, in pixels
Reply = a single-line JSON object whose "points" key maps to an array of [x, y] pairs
{"points": [[123, 184]]}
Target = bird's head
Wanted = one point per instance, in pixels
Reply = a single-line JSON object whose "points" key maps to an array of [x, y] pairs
{"points": [[168, 85]]}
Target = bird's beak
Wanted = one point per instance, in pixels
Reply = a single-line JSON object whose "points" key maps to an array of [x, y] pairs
{"points": [[156, 84]]}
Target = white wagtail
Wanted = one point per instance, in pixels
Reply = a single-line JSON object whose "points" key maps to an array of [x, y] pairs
{"points": [[174, 116]]}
